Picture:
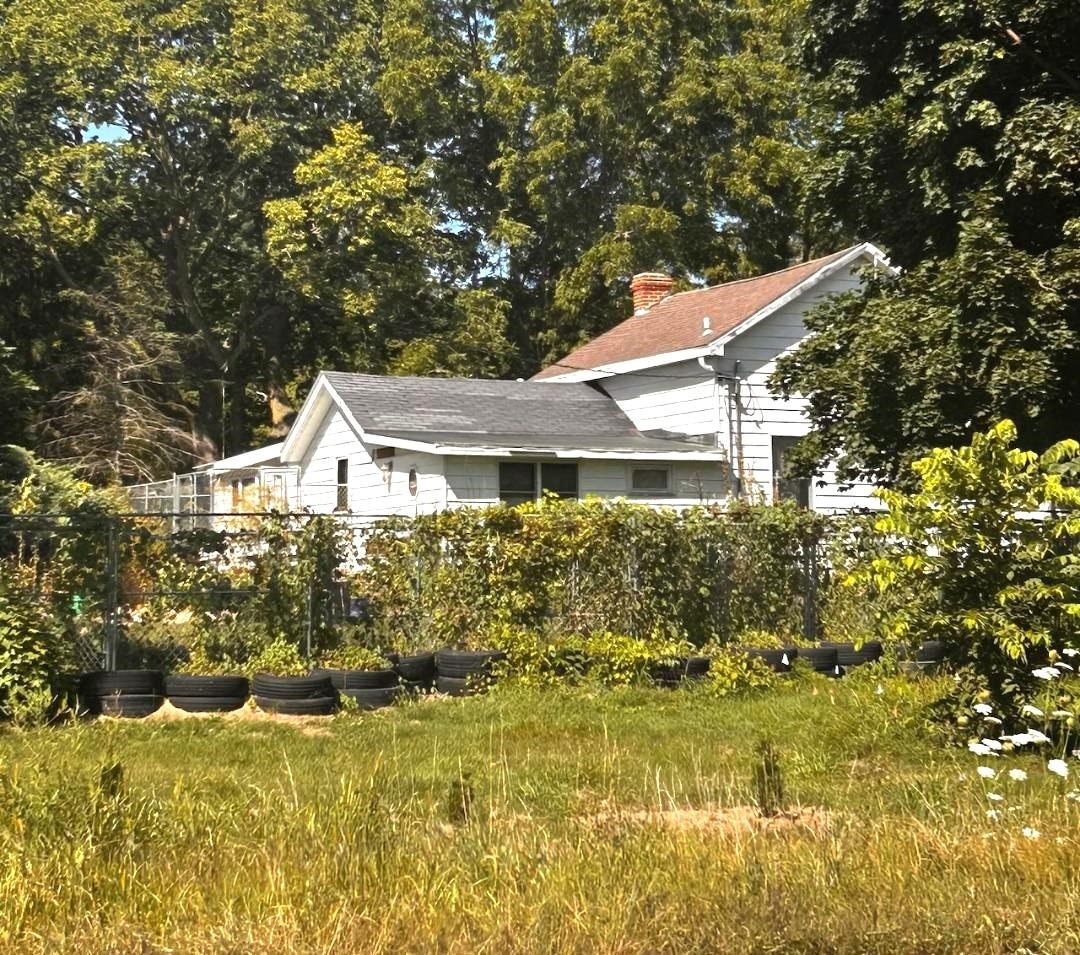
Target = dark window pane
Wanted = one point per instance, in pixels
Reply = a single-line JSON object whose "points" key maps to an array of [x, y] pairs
{"points": [[650, 479], [342, 503], [561, 479], [517, 482]]}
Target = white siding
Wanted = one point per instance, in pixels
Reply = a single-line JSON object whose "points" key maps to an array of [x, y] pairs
{"points": [[392, 495], [475, 481], [680, 398], [760, 414], [376, 488], [684, 398]]}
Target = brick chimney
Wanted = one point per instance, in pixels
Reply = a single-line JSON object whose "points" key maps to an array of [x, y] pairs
{"points": [[648, 288]]}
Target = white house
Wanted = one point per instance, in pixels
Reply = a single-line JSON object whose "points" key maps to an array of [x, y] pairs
{"points": [[672, 406], [698, 363], [372, 445]]}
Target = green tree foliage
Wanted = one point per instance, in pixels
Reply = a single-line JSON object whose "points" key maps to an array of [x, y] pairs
{"points": [[424, 186], [957, 151], [974, 564]]}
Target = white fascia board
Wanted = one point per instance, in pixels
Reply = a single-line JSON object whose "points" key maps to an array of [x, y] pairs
{"points": [[632, 364], [312, 411], [481, 451], [425, 447], [246, 460], [857, 252]]}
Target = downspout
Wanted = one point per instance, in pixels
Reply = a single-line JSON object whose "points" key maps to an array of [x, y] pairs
{"points": [[703, 361], [735, 427]]}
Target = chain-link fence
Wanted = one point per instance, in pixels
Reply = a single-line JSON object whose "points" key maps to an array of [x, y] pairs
{"points": [[140, 590]]}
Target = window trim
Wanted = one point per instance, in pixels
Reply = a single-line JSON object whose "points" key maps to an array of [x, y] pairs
{"points": [[805, 485], [341, 501], [537, 491], [667, 491]]}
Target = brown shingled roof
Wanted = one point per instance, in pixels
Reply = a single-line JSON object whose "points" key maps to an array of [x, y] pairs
{"points": [[676, 322]]}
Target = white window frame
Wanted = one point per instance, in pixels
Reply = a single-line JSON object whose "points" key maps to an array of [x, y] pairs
{"points": [[538, 476]]}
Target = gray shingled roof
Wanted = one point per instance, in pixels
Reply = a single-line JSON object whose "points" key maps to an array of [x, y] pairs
{"points": [[464, 411]]}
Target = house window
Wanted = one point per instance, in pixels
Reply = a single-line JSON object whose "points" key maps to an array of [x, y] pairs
{"points": [[342, 484], [654, 480], [560, 479], [787, 487], [517, 482], [521, 481]]}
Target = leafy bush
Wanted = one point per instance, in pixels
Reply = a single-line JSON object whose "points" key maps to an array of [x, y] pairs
{"points": [[982, 556], [354, 657], [35, 646], [590, 566], [279, 658], [731, 673]]}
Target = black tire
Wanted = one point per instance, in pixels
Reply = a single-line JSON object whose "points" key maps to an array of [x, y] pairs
{"points": [[291, 687], [822, 659], [465, 663], [130, 704], [453, 685], [920, 668], [309, 706], [684, 668], [373, 699], [215, 687], [930, 650], [417, 687], [778, 660], [208, 704], [359, 679], [111, 682], [416, 668], [848, 656]]}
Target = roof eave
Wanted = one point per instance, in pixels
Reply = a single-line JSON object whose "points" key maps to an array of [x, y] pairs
{"points": [[480, 450], [854, 253], [632, 365]]}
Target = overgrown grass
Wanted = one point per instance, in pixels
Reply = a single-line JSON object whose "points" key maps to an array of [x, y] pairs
{"points": [[514, 824]]}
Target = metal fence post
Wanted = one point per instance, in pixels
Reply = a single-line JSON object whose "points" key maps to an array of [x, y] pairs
{"points": [[112, 596], [810, 586]]}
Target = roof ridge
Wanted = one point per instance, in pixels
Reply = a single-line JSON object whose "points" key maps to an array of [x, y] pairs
{"points": [[756, 278]]}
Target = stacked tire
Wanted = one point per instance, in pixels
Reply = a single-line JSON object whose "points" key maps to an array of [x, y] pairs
{"points": [[416, 672], [463, 672], [206, 694], [848, 656], [312, 695], [928, 659], [129, 693], [821, 659], [370, 689], [671, 674], [778, 660]]}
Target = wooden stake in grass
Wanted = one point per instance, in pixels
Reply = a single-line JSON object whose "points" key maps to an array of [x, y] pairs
{"points": [[460, 799], [768, 779]]}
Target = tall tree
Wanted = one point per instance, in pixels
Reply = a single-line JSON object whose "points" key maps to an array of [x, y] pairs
{"points": [[957, 151]]}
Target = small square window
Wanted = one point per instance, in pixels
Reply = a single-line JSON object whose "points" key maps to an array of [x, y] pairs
{"points": [[650, 480]]}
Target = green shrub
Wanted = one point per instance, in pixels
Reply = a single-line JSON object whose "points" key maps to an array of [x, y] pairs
{"points": [[279, 658], [35, 645], [702, 574], [354, 657], [966, 559], [731, 673]]}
